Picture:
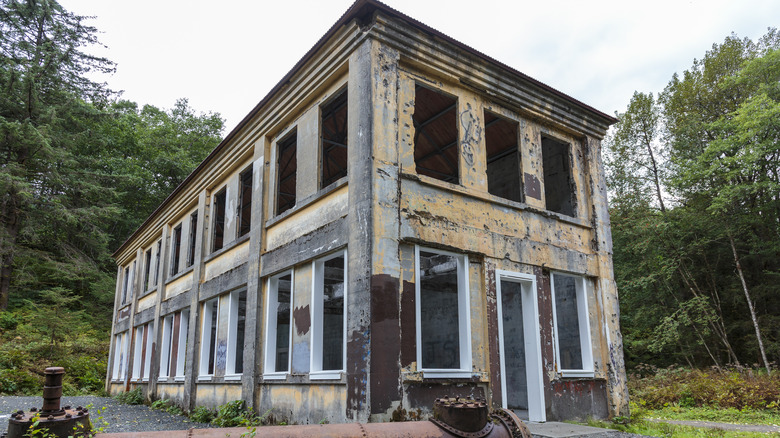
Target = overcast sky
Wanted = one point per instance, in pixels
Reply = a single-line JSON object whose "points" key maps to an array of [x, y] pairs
{"points": [[226, 55]]}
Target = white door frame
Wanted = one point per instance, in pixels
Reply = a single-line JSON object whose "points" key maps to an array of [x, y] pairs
{"points": [[532, 341]]}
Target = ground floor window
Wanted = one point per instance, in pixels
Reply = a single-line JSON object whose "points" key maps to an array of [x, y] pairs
{"points": [[174, 345], [237, 324], [278, 328], [572, 329], [329, 317], [142, 355], [208, 337], [442, 314], [120, 356]]}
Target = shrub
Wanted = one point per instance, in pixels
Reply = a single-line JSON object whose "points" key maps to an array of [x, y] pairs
{"points": [[202, 414], [132, 397], [235, 414]]}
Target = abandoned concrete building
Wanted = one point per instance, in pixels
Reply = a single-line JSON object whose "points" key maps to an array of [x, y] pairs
{"points": [[399, 219]]}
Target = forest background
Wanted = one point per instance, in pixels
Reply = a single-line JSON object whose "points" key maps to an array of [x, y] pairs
{"points": [[693, 169]]}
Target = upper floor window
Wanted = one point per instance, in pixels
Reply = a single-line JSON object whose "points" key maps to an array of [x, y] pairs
{"points": [[218, 235], [442, 313], [436, 135], [147, 268], [278, 328], [333, 143], [245, 201], [126, 285], [286, 172], [329, 317], [558, 183], [176, 250], [193, 236], [157, 262], [503, 158], [572, 328]]}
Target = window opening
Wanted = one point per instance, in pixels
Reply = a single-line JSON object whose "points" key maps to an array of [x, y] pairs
{"points": [[329, 316], [157, 262], [209, 337], [219, 220], [166, 347], [287, 168], [572, 330], [245, 201], [176, 250], [278, 329], [503, 158], [558, 187], [125, 285], [193, 236], [138, 354], [435, 135], [333, 127], [236, 334], [120, 356], [442, 313], [147, 267]]}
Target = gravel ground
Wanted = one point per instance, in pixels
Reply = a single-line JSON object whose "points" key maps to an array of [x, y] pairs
{"points": [[120, 417]]}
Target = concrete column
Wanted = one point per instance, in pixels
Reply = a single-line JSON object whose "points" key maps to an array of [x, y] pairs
{"points": [[617, 389], [162, 276], [254, 288], [471, 136], [193, 327], [113, 346], [373, 331], [136, 290]]}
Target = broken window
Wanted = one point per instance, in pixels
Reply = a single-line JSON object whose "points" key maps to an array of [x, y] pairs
{"points": [[503, 158], [245, 201], [193, 236], [572, 330], [208, 336], [558, 187], [330, 280], [176, 250], [435, 135], [218, 237], [277, 344], [237, 318], [147, 268], [157, 262], [333, 128], [443, 345], [286, 172]]}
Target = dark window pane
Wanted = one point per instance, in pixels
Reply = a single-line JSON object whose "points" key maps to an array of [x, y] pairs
{"points": [[558, 188], [435, 135], [569, 346], [503, 158], [440, 329], [333, 315], [287, 171], [212, 334], [284, 294], [176, 248], [219, 220], [245, 203], [240, 324], [334, 140], [193, 235], [514, 345]]}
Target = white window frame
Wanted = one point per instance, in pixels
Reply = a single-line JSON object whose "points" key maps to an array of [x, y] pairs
{"points": [[230, 365], [464, 317], [120, 356], [581, 284], [165, 347], [316, 372], [205, 338], [269, 367], [532, 341], [148, 332], [184, 325], [140, 332]]}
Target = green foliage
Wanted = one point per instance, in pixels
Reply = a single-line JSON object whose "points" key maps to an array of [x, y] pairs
{"points": [[235, 413], [202, 414], [133, 397]]}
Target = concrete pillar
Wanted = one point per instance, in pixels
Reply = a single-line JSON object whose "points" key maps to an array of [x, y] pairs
{"points": [[113, 346], [162, 276]]}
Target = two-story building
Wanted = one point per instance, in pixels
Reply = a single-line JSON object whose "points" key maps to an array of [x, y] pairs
{"points": [[399, 219]]}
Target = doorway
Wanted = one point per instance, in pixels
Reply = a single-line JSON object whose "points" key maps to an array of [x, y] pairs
{"points": [[519, 345]]}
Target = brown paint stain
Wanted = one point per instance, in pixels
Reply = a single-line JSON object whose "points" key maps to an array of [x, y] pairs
{"points": [[533, 187], [302, 319], [385, 343], [408, 321], [578, 399], [423, 395], [493, 338], [544, 299]]}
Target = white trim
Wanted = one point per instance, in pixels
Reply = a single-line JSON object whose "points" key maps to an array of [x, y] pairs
{"points": [[532, 342], [165, 348], [318, 279], [272, 300], [205, 340], [233, 377], [184, 325], [581, 285], [140, 332], [464, 317]]}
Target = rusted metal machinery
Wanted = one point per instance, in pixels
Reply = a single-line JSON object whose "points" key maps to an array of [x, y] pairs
{"points": [[453, 417], [61, 422]]}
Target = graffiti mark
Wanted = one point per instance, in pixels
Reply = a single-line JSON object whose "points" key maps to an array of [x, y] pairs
{"points": [[472, 134]]}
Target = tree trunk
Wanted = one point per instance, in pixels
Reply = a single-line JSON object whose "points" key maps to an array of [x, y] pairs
{"points": [[749, 301]]}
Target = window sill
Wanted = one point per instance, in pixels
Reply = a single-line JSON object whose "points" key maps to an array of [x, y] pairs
{"points": [[275, 376], [178, 379], [577, 373], [341, 182], [226, 248], [162, 379], [179, 274], [232, 377], [325, 375], [205, 378], [447, 374]]}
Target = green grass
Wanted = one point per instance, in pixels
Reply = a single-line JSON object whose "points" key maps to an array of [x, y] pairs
{"points": [[720, 415], [664, 430]]}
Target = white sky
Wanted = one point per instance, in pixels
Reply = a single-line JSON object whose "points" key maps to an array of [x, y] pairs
{"points": [[226, 55]]}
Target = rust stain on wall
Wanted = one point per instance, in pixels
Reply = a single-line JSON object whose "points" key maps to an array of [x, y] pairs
{"points": [[302, 319], [544, 298], [493, 347], [385, 343]]}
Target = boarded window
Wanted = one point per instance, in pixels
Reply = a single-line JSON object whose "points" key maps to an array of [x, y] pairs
{"points": [[333, 129], [503, 158], [245, 202], [218, 238], [286, 171], [558, 187], [435, 135]]}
